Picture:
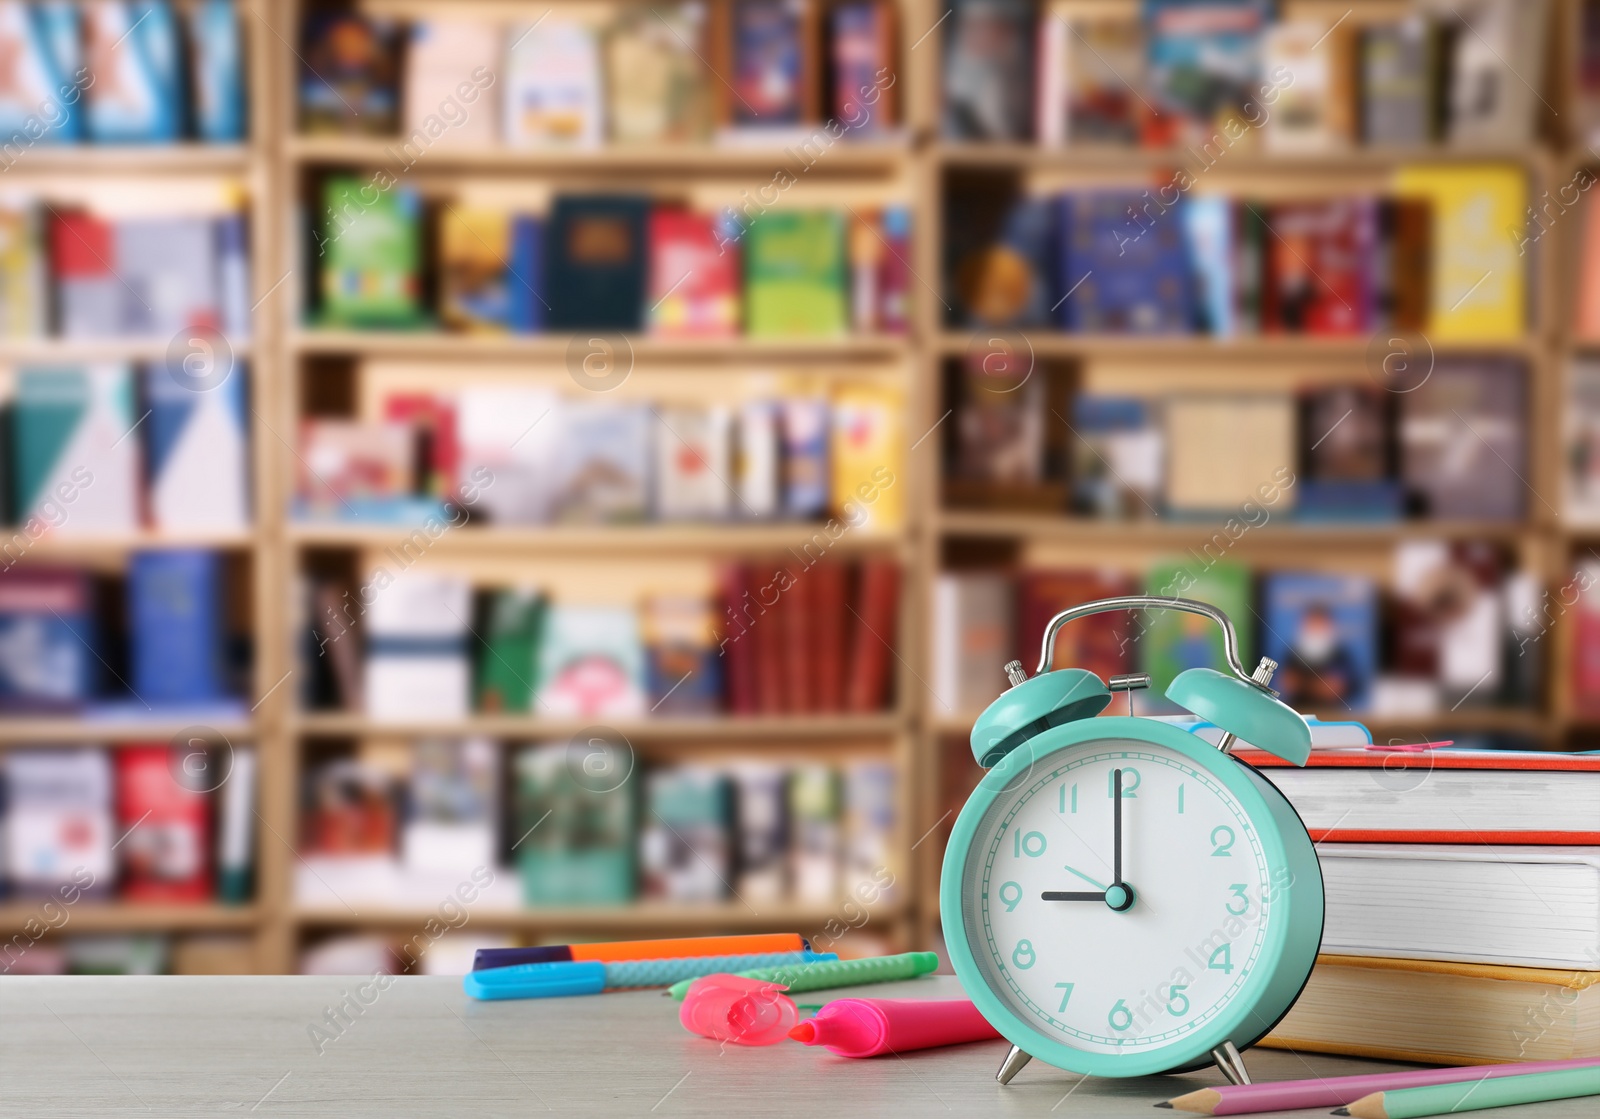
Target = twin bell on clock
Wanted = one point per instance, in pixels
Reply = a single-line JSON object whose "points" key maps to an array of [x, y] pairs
{"points": [[1121, 897]]}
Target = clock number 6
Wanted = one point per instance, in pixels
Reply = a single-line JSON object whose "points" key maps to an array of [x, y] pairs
{"points": [[1221, 848], [1127, 1016], [1238, 889], [1024, 948], [1032, 844]]}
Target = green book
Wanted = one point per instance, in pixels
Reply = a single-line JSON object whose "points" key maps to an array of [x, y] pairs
{"points": [[369, 243], [508, 658], [577, 830], [1173, 641], [795, 272]]}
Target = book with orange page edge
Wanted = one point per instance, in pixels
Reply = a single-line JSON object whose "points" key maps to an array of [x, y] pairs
{"points": [[617, 951], [1337, 1091]]}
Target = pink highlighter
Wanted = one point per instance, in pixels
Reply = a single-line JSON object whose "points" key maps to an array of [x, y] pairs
{"points": [[871, 1027]]}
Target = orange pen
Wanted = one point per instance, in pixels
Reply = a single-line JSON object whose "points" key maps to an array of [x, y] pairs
{"points": [[671, 948]]}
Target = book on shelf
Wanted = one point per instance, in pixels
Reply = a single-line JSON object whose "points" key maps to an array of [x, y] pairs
{"points": [[1259, 432], [1009, 280], [24, 301], [75, 468], [694, 283], [554, 85], [1317, 270], [134, 90], [796, 274], [868, 487], [1490, 39], [758, 477], [217, 69], [450, 65], [49, 629], [477, 285], [1322, 630], [771, 59], [452, 821], [176, 627], [512, 434], [236, 828], [370, 250], [1210, 224], [165, 821], [596, 256], [33, 80], [1585, 668], [1442, 1013], [1401, 62], [1170, 642], [579, 842], [1203, 65], [762, 830], [1117, 457], [1090, 67], [816, 840], [603, 474], [988, 70], [591, 663], [1121, 275], [511, 625], [348, 81], [870, 682], [686, 841], [58, 822], [804, 425], [1315, 109], [197, 452], [656, 90], [863, 93], [1464, 440], [1354, 795], [417, 646], [1102, 643], [971, 639], [683, 674]]}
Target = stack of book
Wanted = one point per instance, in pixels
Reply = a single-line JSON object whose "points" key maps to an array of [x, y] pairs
{"points": [[1463, 904]]}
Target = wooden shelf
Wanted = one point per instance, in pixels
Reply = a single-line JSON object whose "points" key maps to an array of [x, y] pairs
{"points": [[66, 730], [133, 159], [116, 544], [122, 916], [631, 540], [1169, 532], [687, 730], [13, 350], [1111, 157], [639, 917], [1050, 343], [678, 160], [439, 346]]}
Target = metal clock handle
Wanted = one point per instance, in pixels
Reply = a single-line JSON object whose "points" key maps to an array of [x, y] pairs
{"points": [[1230, 639]]}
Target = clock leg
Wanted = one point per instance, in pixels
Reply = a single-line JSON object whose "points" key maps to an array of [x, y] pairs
{"points": [[1230, 1063], [1012, 1065]]}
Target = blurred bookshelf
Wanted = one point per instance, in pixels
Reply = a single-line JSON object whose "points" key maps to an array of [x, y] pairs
{"points": [[309, 368]]}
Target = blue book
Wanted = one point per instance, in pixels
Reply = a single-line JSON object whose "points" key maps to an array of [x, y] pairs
{"points": [[197, 450], [595, 256], [48, 639], [526, 280], [175, 626], [1322, 501], [1025, 246], [39, 99], [137, 98], [1126, 263], [218, 70], [1208, 229], [1322, 630]]}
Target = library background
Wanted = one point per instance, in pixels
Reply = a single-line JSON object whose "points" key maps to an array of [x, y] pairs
{"points": [[505, 472]]}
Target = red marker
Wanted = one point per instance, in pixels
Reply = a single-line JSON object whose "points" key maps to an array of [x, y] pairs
{"points": [[871, 1027]]}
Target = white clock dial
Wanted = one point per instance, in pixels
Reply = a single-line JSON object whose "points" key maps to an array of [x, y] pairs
{"points": [[1076, 968]]}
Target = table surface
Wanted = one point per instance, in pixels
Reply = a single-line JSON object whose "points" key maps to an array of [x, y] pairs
{"points": [[230, 1045]]}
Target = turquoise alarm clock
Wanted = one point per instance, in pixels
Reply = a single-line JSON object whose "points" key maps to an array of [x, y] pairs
{"points": [[1119, 896]]}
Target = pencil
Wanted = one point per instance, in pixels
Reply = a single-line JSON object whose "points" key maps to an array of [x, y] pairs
{"points": [[617, 950], [1504, 1091], [1287, 1095]]}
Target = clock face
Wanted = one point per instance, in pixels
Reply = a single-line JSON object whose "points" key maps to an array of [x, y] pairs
{"points": [[1116, 940]]}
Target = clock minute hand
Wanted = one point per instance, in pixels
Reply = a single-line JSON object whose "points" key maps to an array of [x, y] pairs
{"points": [[1116, 827]]}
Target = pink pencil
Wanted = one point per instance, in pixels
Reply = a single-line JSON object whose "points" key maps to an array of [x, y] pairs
{"points": [[1245, 1099]]}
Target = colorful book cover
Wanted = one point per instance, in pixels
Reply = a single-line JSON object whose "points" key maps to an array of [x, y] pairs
{"points": [[371, 254], [167, 275], [349, 74], [1105, 65], [816, 837], [988, 69], [553, 85], [869, 483], [1102, 643], [1208, 226], [1318, 276], [603, 474], [1203, 65], [686, 844], [694, 460], [1399, 82], [762, 807], [863, 56], [60, 22], [1312, 113], [58, 823], [683, 674], [218, 72], [135, 95], [418, 647], [581, 832], [757, 466], [89, 300], [694, 285], [526, 307], [1463, 440], [1117, 457], [49, 639], [452, 820], [1012, 279], [1125, 273], [166, 827], [511, 623], [474, 287], [804, 424], [1323, 632], [795, 273], [657, 91], [33, 92], [770, 62], [77, 469], [175, 603], [1480, 282], [591, 663], [596, 254], [197, 453], [234, 304], [450, 66], [1169, 641], [24, 289]]}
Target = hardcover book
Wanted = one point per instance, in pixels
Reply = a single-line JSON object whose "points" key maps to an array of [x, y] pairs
{"points": [[76, 469], [1463, 440], [554, 95], [596, 255], [175, 604], [591, 663], [794, 274], [657, 89], [371, 255], [1170, 642], [197, 453], [693, 460], [694, 284], [49, 640], [772, 62], [1203, 65], [1323, 632], [349, 74], [1124, 273], [988, 70], [450, 66], [166, 827]]}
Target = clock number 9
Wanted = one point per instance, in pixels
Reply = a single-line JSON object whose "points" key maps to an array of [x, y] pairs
{"points": [[1032, 844], [1221, 848], [1238, 889], [1120, 1009], [1014, 899], [1024, 948]]}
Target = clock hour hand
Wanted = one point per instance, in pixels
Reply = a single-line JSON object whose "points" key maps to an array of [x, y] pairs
{"points": [[1072, 895]]}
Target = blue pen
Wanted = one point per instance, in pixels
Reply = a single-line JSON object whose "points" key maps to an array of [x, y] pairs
{"points": [[590, 977]]}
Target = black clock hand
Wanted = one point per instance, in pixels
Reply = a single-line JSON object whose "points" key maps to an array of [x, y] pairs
{"points": [[1116, 827], [1071, 895]]}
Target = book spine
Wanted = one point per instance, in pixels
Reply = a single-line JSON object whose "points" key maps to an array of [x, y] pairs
{"points": [[235, 835], [872, 648]]}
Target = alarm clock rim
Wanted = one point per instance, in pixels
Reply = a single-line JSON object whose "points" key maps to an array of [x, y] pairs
{"points": [[1233, 775]]}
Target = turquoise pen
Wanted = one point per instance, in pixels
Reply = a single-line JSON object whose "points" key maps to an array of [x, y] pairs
{"points": [[590, 977]]}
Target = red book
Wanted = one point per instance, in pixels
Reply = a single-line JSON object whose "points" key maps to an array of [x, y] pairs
{"points": [[694, 278], [1102, 643], [433, 419], [831, 615], [82, 246], [737, 643], [800, 667], [1318, 257], [764, 600], [165, 826], [1359, 795], [874, 636]]}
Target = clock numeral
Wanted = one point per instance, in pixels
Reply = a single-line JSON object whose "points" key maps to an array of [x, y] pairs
{"points": [[1238, 889], [1226, 966], [1066, 993], [1120, 1010], [1130, 782], [1180, 798], [1061, 797], [1175, 995], [1024, 948], [1032, 844], [1014, 899], [1220, 848]]}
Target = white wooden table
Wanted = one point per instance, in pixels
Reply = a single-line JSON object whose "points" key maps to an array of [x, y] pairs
{"points": [[221, 1046]]}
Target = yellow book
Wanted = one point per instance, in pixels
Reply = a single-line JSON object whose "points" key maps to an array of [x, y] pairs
{"points": [[1437, 1012], [474, 248], [1479, 282], [869, 478]]}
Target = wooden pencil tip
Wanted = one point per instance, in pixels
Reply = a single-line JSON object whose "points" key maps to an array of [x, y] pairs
{"points": [[1341, 1111], [1165, 1104], [1203, 1102]]}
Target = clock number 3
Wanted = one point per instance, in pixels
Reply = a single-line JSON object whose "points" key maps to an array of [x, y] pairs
{"points": [[1239, 895], [1024, 951]]}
